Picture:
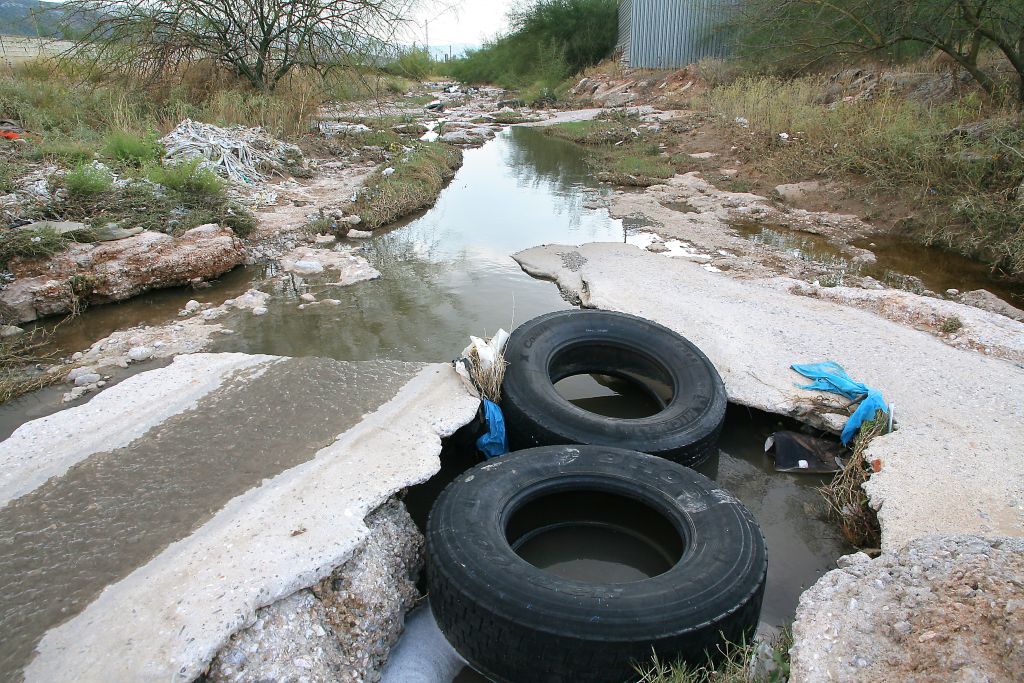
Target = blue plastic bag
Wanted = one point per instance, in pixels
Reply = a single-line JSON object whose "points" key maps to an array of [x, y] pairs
{"points": [[495, 441], [830, 376]]}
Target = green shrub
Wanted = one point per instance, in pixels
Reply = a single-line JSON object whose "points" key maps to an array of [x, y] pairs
{"points": [[417, 180], [87, 180], [416, 64], [132, 149], [187, 178], [30, 243]]}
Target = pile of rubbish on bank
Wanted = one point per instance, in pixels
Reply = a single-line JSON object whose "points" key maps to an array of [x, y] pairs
{"points": [[241, 154]]}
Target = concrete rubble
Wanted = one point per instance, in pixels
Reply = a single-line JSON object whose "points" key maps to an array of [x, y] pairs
{"points": [[168, 619], [943, 608], [938, 609], [968, 431], [343, 628]]}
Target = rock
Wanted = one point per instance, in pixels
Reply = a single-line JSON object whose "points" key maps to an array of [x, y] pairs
{"points": [[118, 270], [307, 267], [139, 353], [942, 608], [952, 292], [253, 298], [360, 234], [74, 394], [77, 372], [59, 227], [351, 220], [344, 627], [111, 232], [86, 379], [703, 155], [792, 193], [307, 297], [331, 302], [324, 239], [987, 301], [10, 331], [259, 310], [192, 306]]}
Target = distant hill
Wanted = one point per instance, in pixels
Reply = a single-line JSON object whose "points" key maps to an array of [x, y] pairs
{"points": [[30, 18]]}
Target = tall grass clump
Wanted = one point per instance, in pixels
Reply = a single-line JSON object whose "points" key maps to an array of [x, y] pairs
{"points": [[754, 662], [131, 148], [960, 162], [87, 180], [547, 42], [415, 183]]}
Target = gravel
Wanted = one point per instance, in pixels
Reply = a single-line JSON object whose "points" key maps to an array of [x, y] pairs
{"points": [[945, 608], [341, 629]]}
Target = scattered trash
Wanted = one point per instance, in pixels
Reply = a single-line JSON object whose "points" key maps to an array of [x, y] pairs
{"points": [[495, 441], [796, 452], [482, 367], [11, 130], [436, 105], [331, 128], [742, 122], [388, 171], [831, 377], [243, 155]]}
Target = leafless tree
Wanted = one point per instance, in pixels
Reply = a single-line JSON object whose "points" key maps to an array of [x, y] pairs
{"points": [[960, 28], [259, 40]]}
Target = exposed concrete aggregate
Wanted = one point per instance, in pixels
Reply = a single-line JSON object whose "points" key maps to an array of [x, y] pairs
{"points": [[342, 628], [942, 609]]}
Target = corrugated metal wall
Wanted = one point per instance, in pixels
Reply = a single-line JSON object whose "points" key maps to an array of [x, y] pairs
{"points": [[674, 33], [625, 22]]}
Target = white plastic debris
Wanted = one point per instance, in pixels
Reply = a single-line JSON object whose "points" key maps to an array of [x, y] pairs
{"points": [[243, 155], [387, 171]]}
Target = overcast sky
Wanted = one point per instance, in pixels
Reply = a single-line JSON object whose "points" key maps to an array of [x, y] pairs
{"points": [[469, 21]]}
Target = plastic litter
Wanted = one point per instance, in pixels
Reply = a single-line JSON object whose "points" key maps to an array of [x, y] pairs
{"points": [[243, 155], [796, 452], [830, 376], [495, 441]]}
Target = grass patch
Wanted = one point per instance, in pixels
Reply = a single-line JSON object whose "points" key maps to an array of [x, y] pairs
{"points": [[845, 496], [415, 183], [86, 180], [188, 179], [736, 664], [31, 243], [960, 164], [617, 150], [18, 357], [133, 149]]}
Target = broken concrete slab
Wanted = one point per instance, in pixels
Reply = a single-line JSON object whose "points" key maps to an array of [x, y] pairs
{"points": [[954, 465], [343, 628], [945, 608], [49, 446], [167, 619]]}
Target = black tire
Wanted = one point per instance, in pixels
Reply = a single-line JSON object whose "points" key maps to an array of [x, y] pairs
{"points": [[514, 622], [557, 345]]}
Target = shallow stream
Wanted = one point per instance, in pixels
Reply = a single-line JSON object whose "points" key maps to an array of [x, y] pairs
{"points": [[447, 274]]}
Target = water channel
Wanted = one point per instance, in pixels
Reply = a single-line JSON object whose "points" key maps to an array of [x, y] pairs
{"points": [[445, 274]]}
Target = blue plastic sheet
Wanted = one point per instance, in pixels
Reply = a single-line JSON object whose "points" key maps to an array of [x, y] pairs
{"points": [[830, 376], [495, 441]]}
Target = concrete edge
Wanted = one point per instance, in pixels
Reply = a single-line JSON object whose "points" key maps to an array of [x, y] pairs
{"points": [[29, 457], [167, 620]]}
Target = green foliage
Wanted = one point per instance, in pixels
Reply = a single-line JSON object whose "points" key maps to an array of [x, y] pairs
{"points": [[415, 63], [549, 40], [793, 35], [187, 178], [87, 180], [417, 180], [132, 149], [734, 664], [964, 185], [617, 150], [30, 243]]}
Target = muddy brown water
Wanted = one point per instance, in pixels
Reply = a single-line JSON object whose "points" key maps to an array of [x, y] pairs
{"points": [[898, 261]]}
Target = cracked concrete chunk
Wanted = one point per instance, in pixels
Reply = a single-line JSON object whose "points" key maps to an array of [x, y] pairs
{"points": [[954, 466], [941, 609], [343, 628]]}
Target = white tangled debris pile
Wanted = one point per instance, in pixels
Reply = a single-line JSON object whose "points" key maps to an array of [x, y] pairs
{"points": [[241, 154]]}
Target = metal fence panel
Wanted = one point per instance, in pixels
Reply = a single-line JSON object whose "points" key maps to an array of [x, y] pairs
{"points": [[625, 35], [674, 33]]}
